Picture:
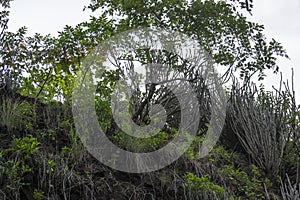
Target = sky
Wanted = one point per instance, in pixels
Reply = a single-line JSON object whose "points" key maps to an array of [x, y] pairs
{"points": [[281, 21], [280, 18]]}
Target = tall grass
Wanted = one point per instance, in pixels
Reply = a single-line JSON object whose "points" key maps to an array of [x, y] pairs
{"points": [[9, 113]]}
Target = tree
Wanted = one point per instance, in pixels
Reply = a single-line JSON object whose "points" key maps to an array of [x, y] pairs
{"points": [[3, 26], [222, 30], [51, 62], [44, 67]]}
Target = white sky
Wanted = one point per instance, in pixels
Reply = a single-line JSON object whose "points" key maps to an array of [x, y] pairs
{"points": [[280, 17], [46, 16]]}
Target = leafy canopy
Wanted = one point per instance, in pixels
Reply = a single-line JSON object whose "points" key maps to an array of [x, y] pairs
{"points": [[45, 66]]}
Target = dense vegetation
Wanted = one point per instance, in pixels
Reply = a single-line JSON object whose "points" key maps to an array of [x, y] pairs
{"points": [[257, 156]]}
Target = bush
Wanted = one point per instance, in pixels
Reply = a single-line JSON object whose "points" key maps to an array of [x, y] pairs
{"points": [[202, 185]]}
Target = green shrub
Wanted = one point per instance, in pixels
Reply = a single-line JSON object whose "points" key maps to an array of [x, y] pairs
{"points": [[25, 146], [38, 195], [139, 144], [16, 166], [202, 184], [251, 188], [219, 155]]}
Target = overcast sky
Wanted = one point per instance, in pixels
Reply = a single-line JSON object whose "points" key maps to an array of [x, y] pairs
{"points": [[280, 18], [281, 21]]}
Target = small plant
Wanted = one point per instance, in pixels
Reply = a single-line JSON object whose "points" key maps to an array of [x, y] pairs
{"points": [[25, 146], [251, 188], [38, 195], [220, 155], [202, 184], [16, 166]]}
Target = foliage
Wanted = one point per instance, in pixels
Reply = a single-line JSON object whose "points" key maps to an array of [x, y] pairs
{"points": [[202, 184], [250, 188], [223, 32], [17, 167], [219, 155], [25, 146], [41, 156], [140, 145], [15, 114], [38, 195]]}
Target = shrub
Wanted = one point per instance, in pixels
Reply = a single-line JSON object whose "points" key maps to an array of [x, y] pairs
{"points": [[201, 185], [251, 188]]}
